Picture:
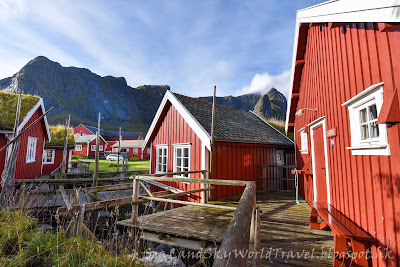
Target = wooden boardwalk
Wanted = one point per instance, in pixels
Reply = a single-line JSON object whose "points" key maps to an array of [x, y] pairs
{"points": [[285, 235]]}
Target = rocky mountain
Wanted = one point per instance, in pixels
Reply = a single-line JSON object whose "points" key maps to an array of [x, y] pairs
{"points": [[270, 105], [83, 94]]}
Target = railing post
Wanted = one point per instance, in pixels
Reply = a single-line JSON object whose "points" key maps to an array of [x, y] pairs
{"points": [[135, 207], [257, 238], [204, 194]]}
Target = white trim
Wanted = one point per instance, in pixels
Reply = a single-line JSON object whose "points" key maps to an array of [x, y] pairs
{"points": [[365, 93], [176, 146], [30, 114], [282, 153], [167, 154], [303, 138], [44, 145], [28, 147], [203, 135], [45, 156], [317, 121], [341, 11], [151, 155], [76, 147], [69, 159], [315, 124]]}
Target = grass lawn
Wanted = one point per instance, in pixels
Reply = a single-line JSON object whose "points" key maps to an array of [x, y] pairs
{"points": [[111, 166]]}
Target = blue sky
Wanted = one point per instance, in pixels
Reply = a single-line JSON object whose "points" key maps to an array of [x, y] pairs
{"points": [[239, 46]]}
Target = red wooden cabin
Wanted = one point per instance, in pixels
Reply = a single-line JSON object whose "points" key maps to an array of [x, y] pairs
{"points": [[110, 137], [53, 150], [85, 145], [30, 151], [179, 140], [133, 148], [344, 111]]}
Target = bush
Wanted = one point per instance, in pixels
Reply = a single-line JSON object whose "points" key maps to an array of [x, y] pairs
{"points": [[112, 164], [134, 159]]}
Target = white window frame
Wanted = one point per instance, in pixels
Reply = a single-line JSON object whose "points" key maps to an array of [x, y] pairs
{"points": [[303, 141], [78, 147], [282, 155], [157, 156], [32, 144], [376, 146], [52, 156], [93, 147], [135, 150], [100, 147], [182, 146]]}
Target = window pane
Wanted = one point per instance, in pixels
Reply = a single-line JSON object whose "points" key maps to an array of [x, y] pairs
{"points": [[186, 163], [179, 162], [363, 115], [164, 169], [374, 130], [186, 152], [373, 113], [178, 169], [364, 132], [164, 160], [178, 152]]}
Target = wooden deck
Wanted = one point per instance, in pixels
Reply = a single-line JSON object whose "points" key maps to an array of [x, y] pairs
{"points": [[285, 235]]}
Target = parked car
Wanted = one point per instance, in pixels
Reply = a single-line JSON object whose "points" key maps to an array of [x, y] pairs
{"points": [[114, 157]]}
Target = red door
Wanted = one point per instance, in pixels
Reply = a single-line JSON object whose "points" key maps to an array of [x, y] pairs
{"points": [[319, 164]]}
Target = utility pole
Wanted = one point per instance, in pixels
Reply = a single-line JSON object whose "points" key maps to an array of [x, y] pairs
{"points": [[96, 161], [119, 148]]}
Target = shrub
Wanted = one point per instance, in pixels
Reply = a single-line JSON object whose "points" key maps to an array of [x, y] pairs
{"points": [[134, 159], [113, 164]]}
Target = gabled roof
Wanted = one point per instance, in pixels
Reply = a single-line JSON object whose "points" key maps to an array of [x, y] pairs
{"points": [[29, 105], [110, 133], [130, 144], [57, 137], [87, 138], [233, 125], [330, 12]]}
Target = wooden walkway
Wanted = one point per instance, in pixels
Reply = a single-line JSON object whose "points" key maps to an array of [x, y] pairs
{"points": [[285, 235]]}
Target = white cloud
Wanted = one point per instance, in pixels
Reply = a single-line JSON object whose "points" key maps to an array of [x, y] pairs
{"points": [[264, 82]]}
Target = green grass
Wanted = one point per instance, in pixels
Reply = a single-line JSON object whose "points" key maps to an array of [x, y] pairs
{"points": [[22, 243], [111, 166]]}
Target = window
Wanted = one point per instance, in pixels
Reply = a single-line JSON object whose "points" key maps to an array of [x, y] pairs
{"points": [[93, 147], [367, 137], [162, 158], [78, 148], [100, 148], [123, 150], [280, 157], [182, 159], [48, 156], [31, 150], [304, 142], [135, 151]]}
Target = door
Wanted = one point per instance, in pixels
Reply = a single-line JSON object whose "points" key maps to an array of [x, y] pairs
{"points": [[320, 175]]}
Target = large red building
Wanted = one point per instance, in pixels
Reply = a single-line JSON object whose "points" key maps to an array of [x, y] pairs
{"points": [[179, 140], [85, 146], [29, 160], [344, 111], [133, 148]]}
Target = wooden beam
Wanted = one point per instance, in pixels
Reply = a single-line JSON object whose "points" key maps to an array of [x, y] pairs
{"points": [[386, 27], [65, 198], [188, 203], [146, 189], [184, 193], [295, 95], [194, 181], [72, 181], [175, 173], [336, 24], [300, 62]]}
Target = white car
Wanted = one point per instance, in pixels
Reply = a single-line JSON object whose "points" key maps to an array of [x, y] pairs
{"points": [[114, 157]]}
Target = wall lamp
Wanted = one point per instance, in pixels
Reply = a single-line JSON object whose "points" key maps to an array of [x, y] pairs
{"points": [[301, 111]]}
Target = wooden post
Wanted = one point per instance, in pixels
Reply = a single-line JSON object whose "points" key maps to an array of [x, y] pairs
{"points": [[135, 207], [64, 158], [212, 135], [257, 238], [119, 148], [96, 161]]}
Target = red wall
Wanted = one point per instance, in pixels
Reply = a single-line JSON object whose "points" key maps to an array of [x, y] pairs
{"points": [[48, 168], [78, 129], [173, 130], [3, 142], [239, 161], [93, 142], [30, 170], [341, 62], [83, 152]]}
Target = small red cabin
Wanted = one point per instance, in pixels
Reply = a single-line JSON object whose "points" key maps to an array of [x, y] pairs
{"points": [[109, 136], [53, 150], [29, 160], [85, 145], [344, 111], [133, 148], [179, 140]]}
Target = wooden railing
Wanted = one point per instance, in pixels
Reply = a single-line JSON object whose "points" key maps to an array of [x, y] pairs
{"points": [[85, 166], [243, 229]]}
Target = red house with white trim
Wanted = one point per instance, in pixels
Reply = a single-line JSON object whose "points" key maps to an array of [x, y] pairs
{"points": [[110, 137], [133, 148], [345, 113], [85, 145], [29, 160], [179, 140]]}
